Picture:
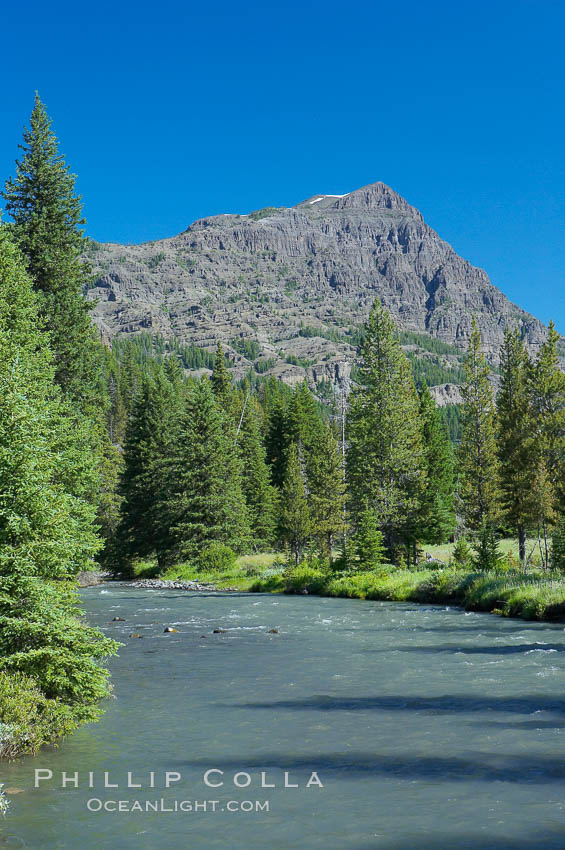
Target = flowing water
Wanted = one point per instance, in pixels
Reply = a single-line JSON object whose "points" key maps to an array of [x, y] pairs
{"points": [[428, 727]]}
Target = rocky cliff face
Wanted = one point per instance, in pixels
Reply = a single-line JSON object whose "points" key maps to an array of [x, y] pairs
{"points": [[296, 281]]}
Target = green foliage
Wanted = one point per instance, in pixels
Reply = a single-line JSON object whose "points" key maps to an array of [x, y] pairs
{"points": [[47, 531], [305, 578], [221, 382], [327, 494], [558, 546], [369, 541], [433, 371], [266, 212], [268, 584], [478, 455], [487, 552], [450, 415], [508, 592], [203, 501], [385, 457], [216, 558], [547, 387], [516, 448], [142, 348], [249, 348], [438, 501], [156, 260], [264, 364], [332, 334], [304, 362], [278, 440], [47, 226], [150, 435], [294, 522], [28, 719], [427, 342], [260, 495], [462, 553]]}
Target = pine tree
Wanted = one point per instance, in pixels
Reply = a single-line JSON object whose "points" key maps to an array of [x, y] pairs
{"points": [[221, 383], [543, 500], [558, 546], [130, 378], [149, 440], [305, 423], [48, 228], [47, 225], [295, 525], [438, 503], [260, 495], [277, 442], [327, 492], [369, 541], [516, 448], [174, 375], [478, 460], [116, 410], [205, 503], [487, 553], [385, 456], [547, 392], [47, 531]]}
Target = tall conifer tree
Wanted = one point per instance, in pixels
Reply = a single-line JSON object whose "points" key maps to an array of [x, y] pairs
{"points": [[368, 542], [277, 442], [149, 443], [205, 503], [327, 493], [221, 383], [547, 389], [48, 228], [516, 443], [305, 423], [295, 524], [260, 495], [47, 530], [478, 459], [385, 456], [438, 502]]}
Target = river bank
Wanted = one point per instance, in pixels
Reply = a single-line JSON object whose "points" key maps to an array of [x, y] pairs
{"points": [[165, 584], [530, 595]]}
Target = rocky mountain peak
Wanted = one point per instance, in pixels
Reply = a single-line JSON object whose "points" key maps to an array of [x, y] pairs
{"points": [[377, 196], [285, 288]]}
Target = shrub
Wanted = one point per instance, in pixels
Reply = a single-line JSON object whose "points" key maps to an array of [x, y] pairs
{"points": [[267, 584], [462, 552], [305, 577], [216, 558], [487, 553], [28, 719], [369, 541]]}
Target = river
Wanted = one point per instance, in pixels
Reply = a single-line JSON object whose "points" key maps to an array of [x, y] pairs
{"points": [[428, 727]]}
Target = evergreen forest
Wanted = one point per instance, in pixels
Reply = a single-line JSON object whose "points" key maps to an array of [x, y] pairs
{"points": [[116, 458]]}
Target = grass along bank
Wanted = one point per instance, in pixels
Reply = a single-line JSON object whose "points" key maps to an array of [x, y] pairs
{"points": [[511, 593], [533, 594], [240, 573]]}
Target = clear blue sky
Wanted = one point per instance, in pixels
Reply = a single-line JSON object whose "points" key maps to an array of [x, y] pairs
{"points": [[168, 111]]}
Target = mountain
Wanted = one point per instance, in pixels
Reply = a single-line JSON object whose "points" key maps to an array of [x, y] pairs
{"points": [[285, 288]]}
